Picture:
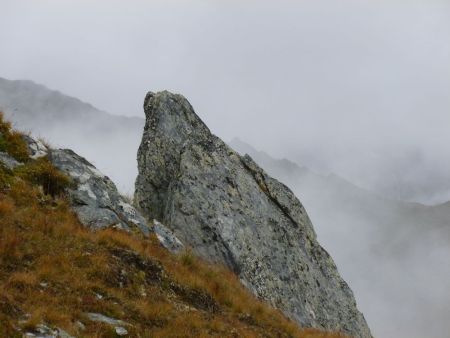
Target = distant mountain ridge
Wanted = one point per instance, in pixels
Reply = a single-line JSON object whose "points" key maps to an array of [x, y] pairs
{"points": [[16, 96], [66, 121]]}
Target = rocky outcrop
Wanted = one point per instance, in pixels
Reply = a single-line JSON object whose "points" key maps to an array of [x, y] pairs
{"points": [[94, 197], [230, 211]]}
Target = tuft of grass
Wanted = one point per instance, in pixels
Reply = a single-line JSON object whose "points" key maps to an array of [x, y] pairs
{"points": [[11, 141], [38, 172]]}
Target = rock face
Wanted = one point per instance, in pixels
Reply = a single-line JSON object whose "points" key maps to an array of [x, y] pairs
{"points": [[230, 211]]}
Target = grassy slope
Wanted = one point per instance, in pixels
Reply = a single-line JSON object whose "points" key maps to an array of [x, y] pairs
{"points": [[53, 271]]}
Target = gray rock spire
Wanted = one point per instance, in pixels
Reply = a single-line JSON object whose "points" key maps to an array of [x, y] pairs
{"points": [[230, 211]]}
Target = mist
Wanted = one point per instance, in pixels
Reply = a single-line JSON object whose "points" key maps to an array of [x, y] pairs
{"points": [[344, 87], [358, 89]]}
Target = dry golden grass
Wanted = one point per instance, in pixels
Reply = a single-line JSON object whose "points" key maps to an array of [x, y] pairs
{"points": [[11, 141], [53, 271]]}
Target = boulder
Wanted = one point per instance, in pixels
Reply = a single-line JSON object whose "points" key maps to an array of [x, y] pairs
{"points": [[231, 212]]}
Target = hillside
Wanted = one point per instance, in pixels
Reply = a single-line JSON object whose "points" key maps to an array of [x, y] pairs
{"points": [[57, 278], [396, 255]]}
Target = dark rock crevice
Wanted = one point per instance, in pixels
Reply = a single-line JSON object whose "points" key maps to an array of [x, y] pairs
{"points": [[260, 179]]}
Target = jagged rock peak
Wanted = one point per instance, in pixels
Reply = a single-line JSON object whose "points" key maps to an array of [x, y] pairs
{"points": [[230, 211]]}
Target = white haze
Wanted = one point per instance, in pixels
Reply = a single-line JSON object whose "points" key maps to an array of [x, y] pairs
{"points": [[357, 88]]}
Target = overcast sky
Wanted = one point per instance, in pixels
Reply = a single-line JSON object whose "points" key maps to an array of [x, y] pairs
{"points": [[326, 83]]}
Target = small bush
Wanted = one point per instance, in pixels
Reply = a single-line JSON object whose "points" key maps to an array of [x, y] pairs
{"points": [[41, 172], [188, 259]]}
